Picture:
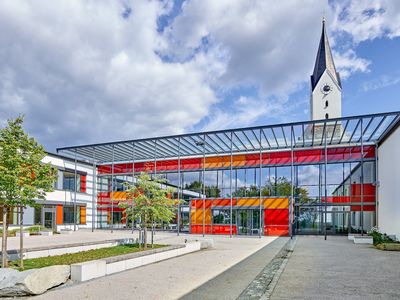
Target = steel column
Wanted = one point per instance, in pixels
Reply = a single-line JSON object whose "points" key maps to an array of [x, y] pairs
{"points": [[133, 179], [260, 183], [179, 187], [376, 187], [112, 192], [94, 183], [75, 188], [204, 185], [325, 186], [230, 188], [362, 179], [291, 204]]}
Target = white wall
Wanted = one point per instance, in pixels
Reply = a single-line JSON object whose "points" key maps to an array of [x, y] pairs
{"points": [[389, 184], [67, 197]]}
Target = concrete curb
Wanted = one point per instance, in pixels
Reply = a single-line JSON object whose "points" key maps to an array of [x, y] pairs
{"points": [[102, 267], [37, 252]]}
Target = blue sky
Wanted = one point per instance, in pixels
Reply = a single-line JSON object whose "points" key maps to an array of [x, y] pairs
{"points": [[86, 72]]}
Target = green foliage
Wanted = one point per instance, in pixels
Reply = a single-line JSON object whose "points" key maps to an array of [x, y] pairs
{"points": [[73, 258], [379, 238], [150, 201], [211, 191], [282, 187], [23, 176]]}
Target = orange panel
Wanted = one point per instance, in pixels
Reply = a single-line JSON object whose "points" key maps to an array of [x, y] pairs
{"points": [[274, 203], [118, 195], [59, 214], [248, 202], [83, 214], [238, 160]]}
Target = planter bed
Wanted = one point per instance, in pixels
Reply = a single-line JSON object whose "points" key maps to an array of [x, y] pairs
{"points": [[36, 252], [388, 246], [83, 256], [102, 267]]}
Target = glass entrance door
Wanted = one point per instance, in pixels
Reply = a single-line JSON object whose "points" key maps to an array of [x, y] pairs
{"points": [[248, 222], [49, 218]]}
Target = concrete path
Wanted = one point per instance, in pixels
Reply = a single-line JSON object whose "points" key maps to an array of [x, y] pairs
{"points": [[339, 269], [170, 279], [231, 283]]}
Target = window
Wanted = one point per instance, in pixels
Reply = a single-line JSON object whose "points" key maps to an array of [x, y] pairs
{"points": [[68, 215], [326, 116], [223, 216], [117, 217], [69, 182], [326, 103]]}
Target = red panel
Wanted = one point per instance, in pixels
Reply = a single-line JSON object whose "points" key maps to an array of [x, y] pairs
{"points": [[83, 183], [276, 216], [365, 208], [280, 158], [198, 229], [223, 229], [307, 156], [252, 159], [276, 230], [272, 158]]}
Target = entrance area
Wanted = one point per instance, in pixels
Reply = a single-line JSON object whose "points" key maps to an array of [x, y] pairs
{"points": [[49, 217], [248, 222]]}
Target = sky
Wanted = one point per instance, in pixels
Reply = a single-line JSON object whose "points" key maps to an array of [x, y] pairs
{"points": [[84, 72]]}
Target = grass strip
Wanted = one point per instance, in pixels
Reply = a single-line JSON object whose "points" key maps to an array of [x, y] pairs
{"points": [[73, 258]]}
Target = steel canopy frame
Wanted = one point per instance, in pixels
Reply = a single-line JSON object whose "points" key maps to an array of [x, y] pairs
{"points": [[343, 134]]}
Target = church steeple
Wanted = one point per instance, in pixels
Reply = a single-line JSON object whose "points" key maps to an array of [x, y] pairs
{"points": [[324, 61], [326, 88]]}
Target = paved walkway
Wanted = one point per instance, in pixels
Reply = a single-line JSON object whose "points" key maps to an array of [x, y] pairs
{"points": [[170, 279], [339, 269], [231, 283]]}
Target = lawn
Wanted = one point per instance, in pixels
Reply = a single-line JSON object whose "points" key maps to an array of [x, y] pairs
{"points": [[72, 258]]}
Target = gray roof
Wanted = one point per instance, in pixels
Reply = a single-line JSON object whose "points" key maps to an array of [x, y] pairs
{"points": [[324, 60]]}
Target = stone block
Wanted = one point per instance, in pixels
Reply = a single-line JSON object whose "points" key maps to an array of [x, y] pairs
{"points": [[46, 233], [363, 240], [115, 267], [24, 234], [32, 282], [88, 270]]}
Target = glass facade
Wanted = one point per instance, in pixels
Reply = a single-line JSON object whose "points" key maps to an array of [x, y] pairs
{"points": [[315, 177]]}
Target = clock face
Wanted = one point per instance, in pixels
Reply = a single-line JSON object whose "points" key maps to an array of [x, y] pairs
{"points": [[326, 88]]}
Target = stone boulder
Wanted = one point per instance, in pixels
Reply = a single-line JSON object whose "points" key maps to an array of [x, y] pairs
{"points": [[32, 282]]}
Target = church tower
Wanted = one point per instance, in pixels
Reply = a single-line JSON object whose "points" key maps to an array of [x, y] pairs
{"points": [[326, 88]]}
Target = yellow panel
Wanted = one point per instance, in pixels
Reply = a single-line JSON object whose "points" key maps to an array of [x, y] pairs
{"points": [[276, 203]]}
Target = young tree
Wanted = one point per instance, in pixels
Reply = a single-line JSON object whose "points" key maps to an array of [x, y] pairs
{"points": [[23, 176], [151, 202]]}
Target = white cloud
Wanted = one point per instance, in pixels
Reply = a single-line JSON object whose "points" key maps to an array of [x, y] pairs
{"points": [[368, 19], [381, 82], [269, 45], [348, 63], [82, 73]]}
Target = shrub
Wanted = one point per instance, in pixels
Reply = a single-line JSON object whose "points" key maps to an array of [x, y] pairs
{"points": [[378, 237]]}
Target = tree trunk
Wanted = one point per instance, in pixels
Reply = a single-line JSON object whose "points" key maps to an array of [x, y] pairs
{"points": [[152, 234], [4, 261], [21, 238], [144, 232]]}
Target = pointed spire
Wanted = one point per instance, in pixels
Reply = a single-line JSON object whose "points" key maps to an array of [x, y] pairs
{"points": [[324, 60]]}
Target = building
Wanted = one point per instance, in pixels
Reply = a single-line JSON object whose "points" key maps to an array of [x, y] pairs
{"points": [[328, 175], [313, 177], [64, 207]]}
